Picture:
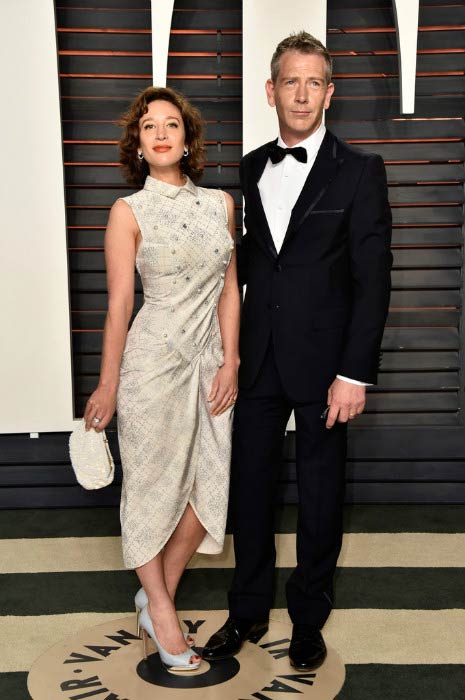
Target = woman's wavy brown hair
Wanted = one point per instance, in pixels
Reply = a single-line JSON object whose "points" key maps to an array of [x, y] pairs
{"points": [[136, 170]]}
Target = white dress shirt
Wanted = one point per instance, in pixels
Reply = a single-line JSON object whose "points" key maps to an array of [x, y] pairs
{"points": [[280, 186]]}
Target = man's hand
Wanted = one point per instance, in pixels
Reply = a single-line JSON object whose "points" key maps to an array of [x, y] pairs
{"points": [[345, 401]]}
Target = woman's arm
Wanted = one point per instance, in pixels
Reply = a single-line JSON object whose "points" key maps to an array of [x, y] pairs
{"points": [[224, 387], [121, 239]]}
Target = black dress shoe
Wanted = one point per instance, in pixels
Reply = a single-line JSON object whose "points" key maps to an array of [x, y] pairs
{"points": [[229, 639], [307, 650]]}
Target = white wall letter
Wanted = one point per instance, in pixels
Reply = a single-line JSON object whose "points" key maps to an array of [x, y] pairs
{"points": [[35, 352], [406, 16], [162, 13]]}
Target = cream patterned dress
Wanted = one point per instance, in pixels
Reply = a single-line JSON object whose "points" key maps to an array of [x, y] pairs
{"points": [[173, 451]]}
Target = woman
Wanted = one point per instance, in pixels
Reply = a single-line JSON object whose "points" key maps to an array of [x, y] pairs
{"points": [[174, 375]]}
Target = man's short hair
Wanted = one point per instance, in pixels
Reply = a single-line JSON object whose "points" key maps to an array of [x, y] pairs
{"points": [[305, 43]]}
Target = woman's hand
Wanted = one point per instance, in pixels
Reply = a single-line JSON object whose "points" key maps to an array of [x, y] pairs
{"points": [[101, 405], [224, 389]]}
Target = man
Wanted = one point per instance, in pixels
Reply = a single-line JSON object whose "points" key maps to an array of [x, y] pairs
{"points": [[316, 261]]}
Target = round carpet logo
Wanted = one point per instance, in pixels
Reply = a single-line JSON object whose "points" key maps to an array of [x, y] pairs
{"points": [[106, 663]]}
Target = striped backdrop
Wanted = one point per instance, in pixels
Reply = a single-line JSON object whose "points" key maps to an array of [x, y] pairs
{"points": [[398, 624]]}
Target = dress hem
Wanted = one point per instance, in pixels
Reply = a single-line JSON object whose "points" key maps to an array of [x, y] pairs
{"points": [[188, 502]]}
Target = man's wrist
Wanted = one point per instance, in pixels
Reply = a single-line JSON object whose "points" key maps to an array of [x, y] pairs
{"points": [[352, 381]]}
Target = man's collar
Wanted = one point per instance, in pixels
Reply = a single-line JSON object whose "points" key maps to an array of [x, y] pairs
{"points": [[311, 144]]}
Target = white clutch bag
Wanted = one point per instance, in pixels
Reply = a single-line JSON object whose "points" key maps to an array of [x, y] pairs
{"points": [[91, 457]]}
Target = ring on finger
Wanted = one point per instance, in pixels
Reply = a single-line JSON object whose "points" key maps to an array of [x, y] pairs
{"points": [[96, 420]]}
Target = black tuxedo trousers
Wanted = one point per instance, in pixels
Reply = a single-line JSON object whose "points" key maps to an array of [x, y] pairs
{"points": [[260, 419]]}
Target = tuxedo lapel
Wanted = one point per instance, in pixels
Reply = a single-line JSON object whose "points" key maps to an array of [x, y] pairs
{"points": [[321, 175], [256, 213]]}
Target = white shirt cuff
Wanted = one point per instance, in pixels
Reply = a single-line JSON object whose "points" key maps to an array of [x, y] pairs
{"points": [[352, 381]]}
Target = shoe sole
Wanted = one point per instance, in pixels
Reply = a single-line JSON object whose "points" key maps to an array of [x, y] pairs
{"points": [[181, 671], [307, 668]]}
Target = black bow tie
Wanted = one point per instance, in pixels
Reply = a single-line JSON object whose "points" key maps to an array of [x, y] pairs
{"points": [[276, 153]]}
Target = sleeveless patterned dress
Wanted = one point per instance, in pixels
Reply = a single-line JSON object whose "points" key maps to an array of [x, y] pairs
{"points": [[173, 451]]}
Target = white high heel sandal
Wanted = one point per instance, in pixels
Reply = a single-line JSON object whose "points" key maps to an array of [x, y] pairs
{"points": [[173, 663], [140, 601]]}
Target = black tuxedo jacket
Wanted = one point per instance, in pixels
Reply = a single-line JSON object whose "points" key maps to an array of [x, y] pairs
{"points": [[323, 299]]}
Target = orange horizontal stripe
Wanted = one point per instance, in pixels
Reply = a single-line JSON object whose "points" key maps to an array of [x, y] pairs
{"points": [[425, 119], [378, 30], [420, 74], [430, 140], [115, 165], [112, 143], [98, 142], [187, 9], [432, 74], [363, 53], [203, 77], [393, 52], [87, 186], [98, 30], [92, 30], [91, 164], [194, 54], [444, 27], [147, 76], [211, 54], [205, 31], [445, 50], [113, 121], [365, 75], [113, 9], [68, 52], [88, 121], [417, 162], [193, 31], [346, 98]]}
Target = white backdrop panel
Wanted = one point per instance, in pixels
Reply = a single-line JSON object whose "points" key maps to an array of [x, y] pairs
{"points": [[265, 23], [35, 353]]}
